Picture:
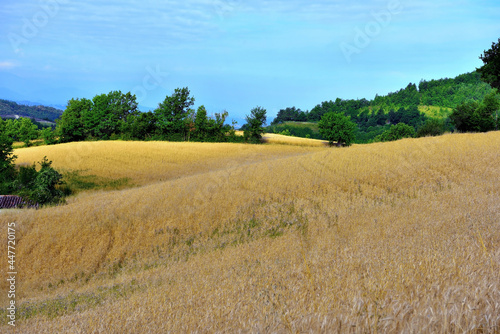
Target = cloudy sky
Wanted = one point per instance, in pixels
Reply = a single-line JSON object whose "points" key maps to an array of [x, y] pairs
{"points": [[236, 54]]}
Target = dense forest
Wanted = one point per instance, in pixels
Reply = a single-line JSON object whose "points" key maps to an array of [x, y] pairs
{"points": [[407, 105]]}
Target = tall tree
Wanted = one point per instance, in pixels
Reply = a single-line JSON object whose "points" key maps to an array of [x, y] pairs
{"points": [[139, 126], [7, 169], [173, 112], [201, 123], [255, 125], [71, 125], [490, 71], [108, 113], [27, 131], [336, 127]]}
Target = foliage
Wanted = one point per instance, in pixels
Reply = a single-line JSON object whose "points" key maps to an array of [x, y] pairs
{"points": [[172, 114], [201, 123], [451, 92], [108, 113], [289, 114], [22, 129], [477, 117], [490, 71], [336, 127], [41, 186], [27, 131], [139, 126], [431, 127], [73, 124], [256, 121], [48, 136], [397, 132], [7, 168], [302, 129], [438, 97]]}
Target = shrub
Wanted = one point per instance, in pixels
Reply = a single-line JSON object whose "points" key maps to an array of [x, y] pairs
{"points": [[396, 132]]}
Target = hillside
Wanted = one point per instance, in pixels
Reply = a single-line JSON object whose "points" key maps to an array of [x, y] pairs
{"points": [[435, 98], [411, 105], [38, 113], [391, 237]]}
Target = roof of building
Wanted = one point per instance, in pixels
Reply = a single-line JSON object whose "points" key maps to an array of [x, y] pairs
{"points": [[14, 202]]}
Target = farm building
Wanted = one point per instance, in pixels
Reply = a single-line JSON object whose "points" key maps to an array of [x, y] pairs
{"points": [[14, 202]]}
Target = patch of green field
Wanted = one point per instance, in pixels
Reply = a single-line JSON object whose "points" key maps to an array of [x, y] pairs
{"points": [[435, 111]]}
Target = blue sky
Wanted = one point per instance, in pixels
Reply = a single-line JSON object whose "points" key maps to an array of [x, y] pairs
{"points": [[234, 54]]}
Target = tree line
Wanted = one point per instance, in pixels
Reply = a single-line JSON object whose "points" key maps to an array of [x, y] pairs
{"points": [[115, 116]]}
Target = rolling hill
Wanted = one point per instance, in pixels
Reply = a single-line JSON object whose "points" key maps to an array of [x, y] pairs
{"points": [[391, 237], [10, 109]]}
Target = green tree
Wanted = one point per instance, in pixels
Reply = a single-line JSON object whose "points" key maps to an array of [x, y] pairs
{"points": [[27, 131], [71, 125], [255, 125], [396, 132], [477, 117], [490, 71], [487, 113], [41, 186], [201, 123], [108, 113], [431, 127], [12, 129], [46, 190], [216, 128], [48, 136], [139, 126], [7, 167], [336, 127], [462, 116], [173, 112]]}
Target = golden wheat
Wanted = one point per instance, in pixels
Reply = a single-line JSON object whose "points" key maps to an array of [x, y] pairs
{"points": [[390, 237], [272, 138], [148, 162]]}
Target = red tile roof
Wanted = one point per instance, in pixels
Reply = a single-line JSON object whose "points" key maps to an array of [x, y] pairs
{"points": [[13, 202]]}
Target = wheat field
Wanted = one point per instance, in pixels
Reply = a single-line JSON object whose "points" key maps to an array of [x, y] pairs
{"points": [[387, 237]]}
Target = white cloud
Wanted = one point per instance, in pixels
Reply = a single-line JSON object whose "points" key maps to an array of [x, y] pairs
{"points": [[7, 65]]}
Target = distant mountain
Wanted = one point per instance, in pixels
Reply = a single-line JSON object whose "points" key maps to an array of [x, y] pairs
{"points": [[37, 112], [40, 103], [29, 91]]}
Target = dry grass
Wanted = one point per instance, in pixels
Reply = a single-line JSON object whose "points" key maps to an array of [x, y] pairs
{"points": [[387, 237], [272, 138], [150, 162]]}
